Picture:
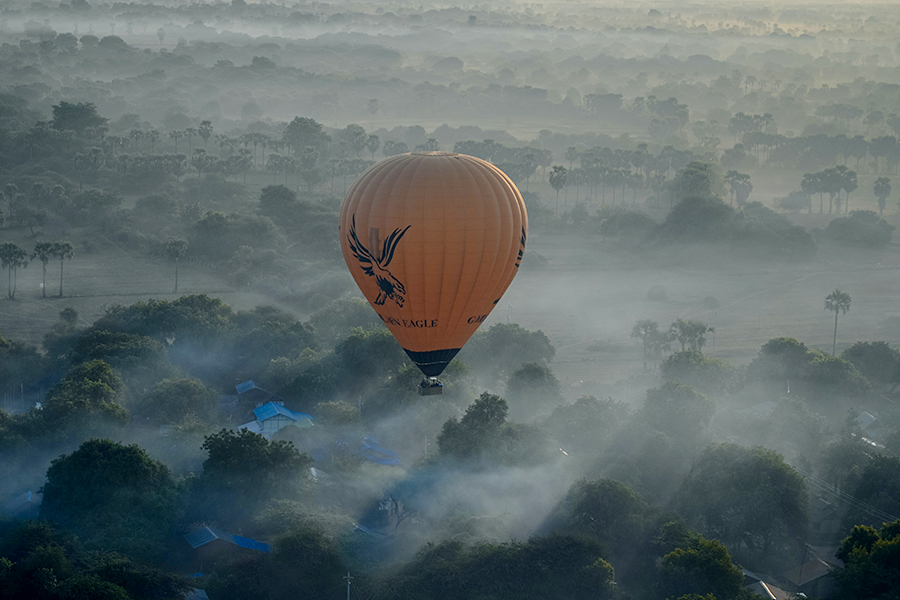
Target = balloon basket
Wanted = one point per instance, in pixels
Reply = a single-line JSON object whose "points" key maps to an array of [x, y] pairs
{"points": [[431, 386]]}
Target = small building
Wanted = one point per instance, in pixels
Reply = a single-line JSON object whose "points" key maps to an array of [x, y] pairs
{"points": [[826, 520], [373, 451], [768, 591], [815, 578], [250, 392], [273, 416], [26, 505], [213, 548]]}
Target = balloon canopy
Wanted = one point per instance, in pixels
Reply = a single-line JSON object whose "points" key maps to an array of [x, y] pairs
{"points": [[433, 239]]}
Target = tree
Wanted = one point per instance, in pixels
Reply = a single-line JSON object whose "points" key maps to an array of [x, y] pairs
{"points": [[703, 568], [89, 396], [646, 329], [697, 179], [205, 131], [882, 190], [392, 148], [505, 347], [741, 188], [300, 559], [76, 117], [678, 410], [116, 497], [759, 507], [837, 302], [176, 250], [63, 251], [693, 368], [586, 424], [533, 387], [872, 568], [606, 510], [171, 400], [690, 333], [483, 436], [244, 470], [877, 361], [12, 257], [558, 181], [303, 132], [373, 143]]}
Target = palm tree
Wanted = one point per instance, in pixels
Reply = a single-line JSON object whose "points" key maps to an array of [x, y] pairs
{"points": [[176, 250], [62, 251], [43, 251], [647, 330], [837, 302], [12, 257], [882, 191], [557, 181]]}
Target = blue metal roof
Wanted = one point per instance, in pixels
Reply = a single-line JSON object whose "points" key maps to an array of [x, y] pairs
{"points": [[270, 409], [244, 542], [246, 386], [205, 535], [372, 450]]}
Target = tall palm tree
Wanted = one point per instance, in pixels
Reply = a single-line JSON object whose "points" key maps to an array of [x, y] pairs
{"points": [[176, 249], [43, 251], [62, 251], [12, 257], [837, 302]]}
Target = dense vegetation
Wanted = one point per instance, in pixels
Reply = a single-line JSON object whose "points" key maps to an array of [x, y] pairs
{"points": [[221, 137]]}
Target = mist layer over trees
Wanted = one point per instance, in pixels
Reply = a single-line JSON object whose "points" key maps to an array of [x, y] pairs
{"points": [[689, 391]]}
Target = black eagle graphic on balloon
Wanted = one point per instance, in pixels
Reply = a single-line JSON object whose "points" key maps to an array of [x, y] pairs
{"points": [[390, 286]]}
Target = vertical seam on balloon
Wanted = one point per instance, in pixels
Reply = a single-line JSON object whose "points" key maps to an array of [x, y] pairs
{"points": [[450, 326], [504, 277], [485, 187]]}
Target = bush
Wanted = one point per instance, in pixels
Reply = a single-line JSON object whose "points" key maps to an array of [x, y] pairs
{"points": [[862, 228]]}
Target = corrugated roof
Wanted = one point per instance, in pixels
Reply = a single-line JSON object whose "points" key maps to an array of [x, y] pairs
{"points": [[372, 450], [865, 419], [270, 409], [205, 535], [201, 537], [808, 571], [246, 386], [196, 594], [244, 542]]}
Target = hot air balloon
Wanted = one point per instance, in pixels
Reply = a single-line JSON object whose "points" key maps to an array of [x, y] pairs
{"points": [[433, 239]]}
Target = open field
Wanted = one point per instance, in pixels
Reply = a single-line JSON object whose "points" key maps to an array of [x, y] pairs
{"points": [[587, 305], [586, 300]]}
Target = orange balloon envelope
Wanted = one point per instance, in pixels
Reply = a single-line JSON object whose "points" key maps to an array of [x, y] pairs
{"points": [[433, 239]]}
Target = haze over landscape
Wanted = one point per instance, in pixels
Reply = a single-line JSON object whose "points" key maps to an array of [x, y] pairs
{"points": [[689, 390]]}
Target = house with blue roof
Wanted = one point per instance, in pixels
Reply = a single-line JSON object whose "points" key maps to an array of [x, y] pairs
{"points": [[206, 535], [373, 451], [250, 392], [215, 547], [273, 416]]}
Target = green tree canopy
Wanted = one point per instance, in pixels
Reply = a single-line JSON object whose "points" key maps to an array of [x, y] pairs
{"points": [[704, 568], [483, 436], [115, 497], [171, 400], [872, 563], [759, 504], [91, 393], [244, 471], [505, 347], [678, 410], [76, 117]]}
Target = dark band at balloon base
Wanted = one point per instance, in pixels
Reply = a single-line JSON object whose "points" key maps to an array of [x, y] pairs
{"points": [[434, 362]]}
